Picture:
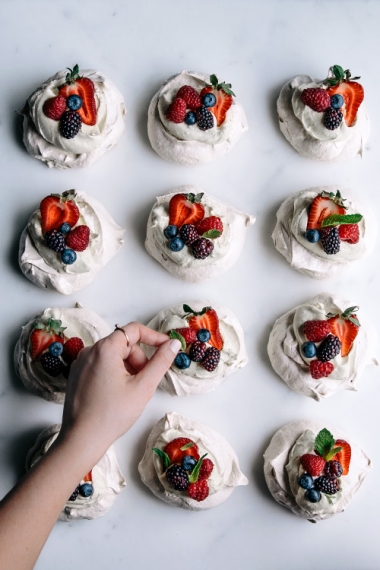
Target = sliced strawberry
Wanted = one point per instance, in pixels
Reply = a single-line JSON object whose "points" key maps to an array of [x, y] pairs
{"points": [[353, 95], [85, 88], [345, 330], [343, 456], [179, 447], [55, 210], [185, 209], [210, 321], [322, 207], [88, 477], [43, 335], [223, 103]]}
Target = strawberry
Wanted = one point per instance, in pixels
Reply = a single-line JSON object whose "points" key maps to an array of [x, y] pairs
{"points": [[352, 92], [54, 107], [179, 447], [344, 455], [316, 98], [346, 327], [199, 490], [57, 209], [320, 369], [43, 335], [78, 239], [313, 464], [176, 112], [188, 334], [72, 348], [324, 205], [206, 319], [315, 331], [349, 233], [185, 209], [85, 88], [190, 96], [206, 469], [223, 95], [211, 227], [88, 477]]}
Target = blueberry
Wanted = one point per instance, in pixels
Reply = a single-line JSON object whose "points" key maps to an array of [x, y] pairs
{"points": [[56, 348], [68, 256], [188, 463], [203, 335], [190, 118], [312, 495], [74, 102], [306, 481], [312, 236], [65, 228], [336, 101], [176, 244], [86, 490], [209, 100], [171, 231], [309, 349], [182, 361]]}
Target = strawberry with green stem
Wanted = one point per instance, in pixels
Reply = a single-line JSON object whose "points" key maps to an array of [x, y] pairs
{"points": [[85, 88], [186, 209], [57, 209], [208, 319], [345, 326], [44, 333], [223, 94], [352, 92]]}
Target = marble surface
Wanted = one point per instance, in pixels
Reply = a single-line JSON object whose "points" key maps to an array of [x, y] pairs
{"points": [[256, 46]]}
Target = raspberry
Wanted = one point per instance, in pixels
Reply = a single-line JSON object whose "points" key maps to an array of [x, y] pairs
{"points": [[176, 113], [191, 96], [333, 118], [213, 223], [51, 364], [188, 334], [54, 107], [211, 359], [206, 469], [55, 240], [197, 351], [78, 239], [333, 468], [349, 233], [330, 240], [315, 331], [177, 477], [316, 98], [328, 485], [329, 348], [71, 349], [198, 491], [313, 464], [205, 118], [188, 234], [70, 124], [320, 369], [202, 248]]}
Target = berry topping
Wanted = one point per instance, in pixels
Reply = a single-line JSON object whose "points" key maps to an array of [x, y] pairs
{"points": [[70, 124], [178, 477], [329, 348], [54, 107], [176, 112], [78, 239], [333, 468], [351, 91], [65, 228], [202, 248], [179, 447], [188, 463], [346, 327], [323, 206], [182, 361], [211, 359], [74, 102], [170, 231], [315, 331], [333, 118], [51, 364], [68, 257], [209, 100], [313, 495], [336, 101], [312, 236], [72, 348], [199, 490], [203, 335], [320, 369], [206, 469], [306, 481], [313, 464], [185, 209], [211, 227], [55, 240], [86, 490], [56, 348], [349, 233], [176, 244], [344, 455], [57, 209], [85, 88], [197, 351], [190, 96], [188, 334], [208, 319], [330, 240], [205, 118], [316, 98], [188, 234], [43, 335], [328, 485], [223, 95], [190, 118], [74, 495], [309, 350]]}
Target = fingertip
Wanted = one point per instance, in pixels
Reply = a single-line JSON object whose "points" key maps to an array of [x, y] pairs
{"points": [[175, 345]]}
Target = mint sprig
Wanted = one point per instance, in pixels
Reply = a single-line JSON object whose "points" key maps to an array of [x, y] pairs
{"points": [[178, 336], [340, 219], [164, 456], [193, 477], [212, 234], [324, 442]]}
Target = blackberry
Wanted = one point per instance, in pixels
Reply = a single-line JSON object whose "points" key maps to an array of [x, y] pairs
{"points": [[211, 359], [329, 348], [74, 494], [205, 118], [188, 234], [328, 485], [333, 118], [202, 248], [333, 468], [197, 351], [177, 477], [55, 240], [70, 124], [51, 364], [330, 240]]}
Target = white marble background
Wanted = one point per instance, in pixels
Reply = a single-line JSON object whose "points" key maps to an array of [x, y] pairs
{"points": [[256, 46]]}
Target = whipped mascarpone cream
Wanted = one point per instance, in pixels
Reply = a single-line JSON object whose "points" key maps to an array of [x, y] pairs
{"points": [[41, 134], [182, 264], [187, 144], [226, 474], [286, 339], [305, 131], [44, 267], [107, 480], [282, 470], [310, 258], [196, 379], [79, 322]]}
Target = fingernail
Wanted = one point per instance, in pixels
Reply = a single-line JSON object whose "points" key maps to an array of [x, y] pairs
{"points": [[175, 345]]}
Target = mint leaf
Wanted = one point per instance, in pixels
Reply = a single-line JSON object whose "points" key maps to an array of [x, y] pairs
{"points": [[324, 442], [193, 477], [339, 219], [187, 446], [212, 234], [333, 452], [177, 335], [164, 456]]}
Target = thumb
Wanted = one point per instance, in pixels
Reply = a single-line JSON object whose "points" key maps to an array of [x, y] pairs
{"points": [[159, 364]]}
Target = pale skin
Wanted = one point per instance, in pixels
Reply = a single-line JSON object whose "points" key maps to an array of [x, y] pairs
{"points": [[108, 388]]}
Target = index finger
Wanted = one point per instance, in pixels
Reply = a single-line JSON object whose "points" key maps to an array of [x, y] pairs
{"points": [[140, 333]]}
